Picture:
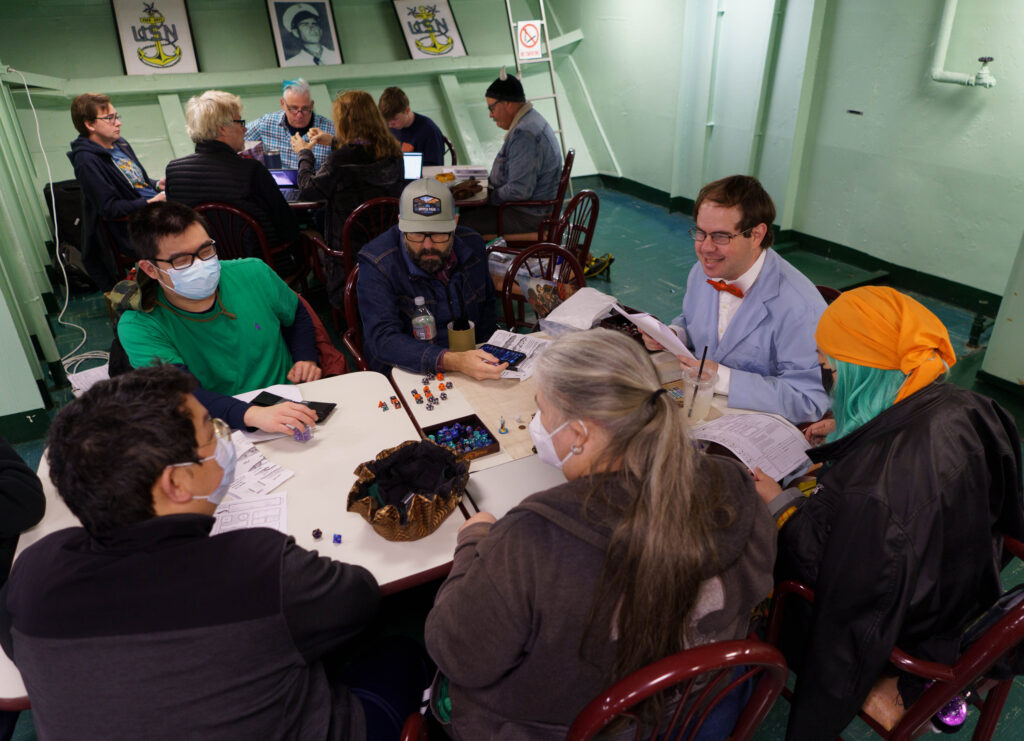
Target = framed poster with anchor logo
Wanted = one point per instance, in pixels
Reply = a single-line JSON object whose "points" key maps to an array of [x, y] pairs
{"points": [[155, 36], [429, 28]]}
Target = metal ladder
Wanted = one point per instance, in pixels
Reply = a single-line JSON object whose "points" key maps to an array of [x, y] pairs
{"points": [[545, 59]]}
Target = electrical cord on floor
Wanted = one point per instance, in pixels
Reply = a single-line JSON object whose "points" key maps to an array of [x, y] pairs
{"points": [[70, 361]]}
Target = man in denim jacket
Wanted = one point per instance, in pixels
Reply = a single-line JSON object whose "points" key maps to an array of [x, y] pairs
{"points": [[527, 167], [426, 255]]}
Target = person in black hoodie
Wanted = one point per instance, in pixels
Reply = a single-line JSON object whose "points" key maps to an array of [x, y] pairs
{"points": [[215, 173], [114, 183], [366, 163]]}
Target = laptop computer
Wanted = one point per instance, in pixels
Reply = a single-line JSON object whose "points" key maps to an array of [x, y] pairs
{"points": [[413, 165], [287, 181]]}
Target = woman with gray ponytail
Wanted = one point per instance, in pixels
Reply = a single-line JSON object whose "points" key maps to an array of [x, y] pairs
{"points": [[648, 549]]}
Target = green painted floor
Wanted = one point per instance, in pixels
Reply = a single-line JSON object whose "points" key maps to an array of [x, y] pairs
{"points": [[653, 255]]}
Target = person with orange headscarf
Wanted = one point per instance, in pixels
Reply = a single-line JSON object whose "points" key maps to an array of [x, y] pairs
{"points": [[920, 481]]}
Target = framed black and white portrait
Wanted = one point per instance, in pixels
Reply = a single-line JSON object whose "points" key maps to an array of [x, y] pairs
{"points": [[304, 33], [155, 36]]}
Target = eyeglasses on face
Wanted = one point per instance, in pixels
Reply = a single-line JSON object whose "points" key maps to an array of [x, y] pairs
{"points": [[184, 260], [435, 237], [299, 108], [109, 118], [490, 106], [239, 121], [719, 238], [221, 431]]}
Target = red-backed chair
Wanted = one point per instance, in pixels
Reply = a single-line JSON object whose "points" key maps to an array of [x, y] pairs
{"points": [[969, 671], [415, 729], [828, 293], [353, 337], [545, 260], [450, 149], [233, 229], [122, 263], [367, 220], [575, 230], [522, 240], [704, 674]]}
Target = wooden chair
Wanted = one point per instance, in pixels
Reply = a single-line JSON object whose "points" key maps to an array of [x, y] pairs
{"points": [[706, 674], [972, 670], [234, 231], [575, 230], [545, 260], [525, 239], [450, 149], [828, 293], [353, 337], [367, 221]]}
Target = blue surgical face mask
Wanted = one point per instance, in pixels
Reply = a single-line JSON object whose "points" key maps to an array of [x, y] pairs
{"points": [[542, 440], [199, 280], [226, 458]]}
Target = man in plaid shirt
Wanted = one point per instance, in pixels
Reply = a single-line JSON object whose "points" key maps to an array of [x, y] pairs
{"points": [[276, 129]]}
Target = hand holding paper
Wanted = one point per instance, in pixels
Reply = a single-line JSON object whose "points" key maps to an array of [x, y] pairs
{"points": [[661, 334]]}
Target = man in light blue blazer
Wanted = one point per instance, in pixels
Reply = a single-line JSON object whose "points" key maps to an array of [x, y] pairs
{"points": [[754, 311]]}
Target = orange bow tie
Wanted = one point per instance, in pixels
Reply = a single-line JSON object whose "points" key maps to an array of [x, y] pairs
{"points": [[721, 285]]}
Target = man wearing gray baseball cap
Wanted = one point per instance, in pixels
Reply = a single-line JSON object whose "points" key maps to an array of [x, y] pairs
{"points": [[426, 255]]}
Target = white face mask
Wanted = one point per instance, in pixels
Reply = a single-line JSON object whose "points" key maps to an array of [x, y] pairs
{"points": [[226, 458], [199, 280], [542, 440]]}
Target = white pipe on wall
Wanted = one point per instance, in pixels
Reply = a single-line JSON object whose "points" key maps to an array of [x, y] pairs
{"points": [[982, 78]]}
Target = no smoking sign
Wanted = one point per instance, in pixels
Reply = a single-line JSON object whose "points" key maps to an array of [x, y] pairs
{"points": [[528, 38]]}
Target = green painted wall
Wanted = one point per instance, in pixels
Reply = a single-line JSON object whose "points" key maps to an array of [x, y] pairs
{"points": [[235, 52], [930, 176]]}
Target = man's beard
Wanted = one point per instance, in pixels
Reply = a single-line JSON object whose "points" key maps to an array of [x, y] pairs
{"points": [[435, 259]]}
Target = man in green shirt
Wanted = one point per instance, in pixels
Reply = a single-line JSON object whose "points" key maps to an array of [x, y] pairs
{"points": [[236, 326]]}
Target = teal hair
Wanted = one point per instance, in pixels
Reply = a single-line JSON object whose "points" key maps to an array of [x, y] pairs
{"points": [[860, 394]]}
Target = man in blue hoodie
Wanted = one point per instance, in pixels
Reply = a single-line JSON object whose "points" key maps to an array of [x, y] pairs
{"points": [[114, 183]]}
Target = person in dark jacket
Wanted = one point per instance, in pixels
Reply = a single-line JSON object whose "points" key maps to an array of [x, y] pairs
{"points": [[114, 183], [426, 254], [141, 625], [649, 549], [902, 538], [366, 163], [22, 503], [216, 173]]}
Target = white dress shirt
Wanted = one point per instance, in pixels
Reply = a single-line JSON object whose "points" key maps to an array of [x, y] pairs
{"points": [[728, 305]]}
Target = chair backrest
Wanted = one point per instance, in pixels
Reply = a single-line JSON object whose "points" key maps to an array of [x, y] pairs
{"points": [[563, 184], [828, 293], [703, 677], [575, 231], [352, 339], [232, 229], [122, 263], [545, 260], [367, 220], [450, 149]]}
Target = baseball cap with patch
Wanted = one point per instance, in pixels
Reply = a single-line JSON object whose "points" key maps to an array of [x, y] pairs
{"points": [[426, 206]]}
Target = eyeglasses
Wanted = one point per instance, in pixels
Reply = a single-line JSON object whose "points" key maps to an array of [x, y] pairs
{"points": [[185, 259], [109, 118], [299, 108], [490, 106], [221, 431], [435, 237], [719, 238], [239, 121]]}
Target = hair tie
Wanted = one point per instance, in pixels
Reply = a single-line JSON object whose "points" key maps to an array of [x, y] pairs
{"points": [[656, 394]]}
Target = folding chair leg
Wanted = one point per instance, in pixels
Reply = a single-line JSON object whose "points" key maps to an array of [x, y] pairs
{"points": [[994, 702]]}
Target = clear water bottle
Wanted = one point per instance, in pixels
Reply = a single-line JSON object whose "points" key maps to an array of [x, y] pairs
{"points": [[423, 325]]}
